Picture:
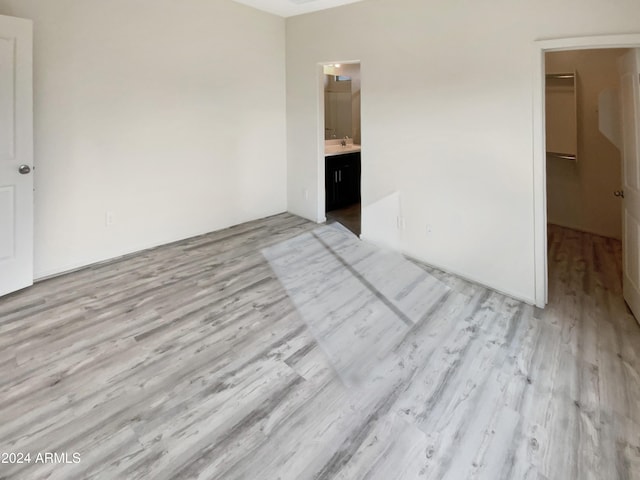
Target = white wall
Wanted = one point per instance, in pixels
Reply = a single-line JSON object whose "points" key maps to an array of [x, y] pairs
{"points": [[446, 119], [170, 114], [580, 194]]}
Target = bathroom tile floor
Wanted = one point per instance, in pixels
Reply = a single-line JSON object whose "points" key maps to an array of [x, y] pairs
{"points": [[349, 217]]}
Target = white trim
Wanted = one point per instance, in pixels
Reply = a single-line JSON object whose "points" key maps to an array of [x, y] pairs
{"points": [[320, 207], [539, 157], [469, 278]]}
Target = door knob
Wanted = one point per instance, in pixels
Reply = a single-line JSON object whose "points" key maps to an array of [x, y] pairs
{"points": [[24, 169], [619, 193]]}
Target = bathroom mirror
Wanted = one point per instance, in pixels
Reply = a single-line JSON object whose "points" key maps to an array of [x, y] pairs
{"points": [[342, 101], [338, 121]]}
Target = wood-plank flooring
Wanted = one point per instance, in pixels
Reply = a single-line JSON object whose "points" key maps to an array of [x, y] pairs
{"points": [[281, 349]]}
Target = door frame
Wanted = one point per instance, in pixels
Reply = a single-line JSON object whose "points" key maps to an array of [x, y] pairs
{"points": [[539, 141], [321, 197]]}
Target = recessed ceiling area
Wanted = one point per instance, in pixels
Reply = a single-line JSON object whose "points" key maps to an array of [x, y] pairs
{"points": [[290, 8]]}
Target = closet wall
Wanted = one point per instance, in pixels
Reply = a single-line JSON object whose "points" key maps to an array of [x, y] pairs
{"points": [[580, 193]]}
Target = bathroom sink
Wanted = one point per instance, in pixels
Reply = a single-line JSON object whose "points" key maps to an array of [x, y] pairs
{"points": [[331, 150]]}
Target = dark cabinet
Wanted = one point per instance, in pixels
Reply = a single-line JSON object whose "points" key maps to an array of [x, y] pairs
{"points": [[342, 180]]}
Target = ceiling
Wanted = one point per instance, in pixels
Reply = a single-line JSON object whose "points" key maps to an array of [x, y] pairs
{"points": [[289, 8]]}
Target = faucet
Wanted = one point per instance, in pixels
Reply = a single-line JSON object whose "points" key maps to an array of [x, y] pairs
{"points": [[344, 141]]}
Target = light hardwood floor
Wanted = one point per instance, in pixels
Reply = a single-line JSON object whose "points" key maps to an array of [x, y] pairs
{"points": [[280, 349]]}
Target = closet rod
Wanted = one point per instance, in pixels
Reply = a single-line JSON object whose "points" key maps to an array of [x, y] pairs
{"points": [[561, 75]]}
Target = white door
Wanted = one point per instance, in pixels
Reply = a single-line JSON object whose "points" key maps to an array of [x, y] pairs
{"points": [[630, 99], [16, 154]]}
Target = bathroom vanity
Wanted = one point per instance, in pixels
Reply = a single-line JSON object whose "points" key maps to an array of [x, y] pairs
{"points": [[342, 177]]}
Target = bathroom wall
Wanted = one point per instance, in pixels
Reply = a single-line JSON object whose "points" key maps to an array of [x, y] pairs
{"points": [[447, 121], [169, 114], [580, 194]]}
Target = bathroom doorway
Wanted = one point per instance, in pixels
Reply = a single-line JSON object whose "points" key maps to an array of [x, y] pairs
{"points": [[342, 145]]}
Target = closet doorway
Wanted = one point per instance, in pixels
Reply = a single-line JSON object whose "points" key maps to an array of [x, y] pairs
{"points": [[629, 41], [590, 163]]}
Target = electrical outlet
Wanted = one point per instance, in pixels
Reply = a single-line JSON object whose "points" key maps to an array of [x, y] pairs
{"points": [[306, 193], [109, 219], [402, 224], [429, 229]]}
